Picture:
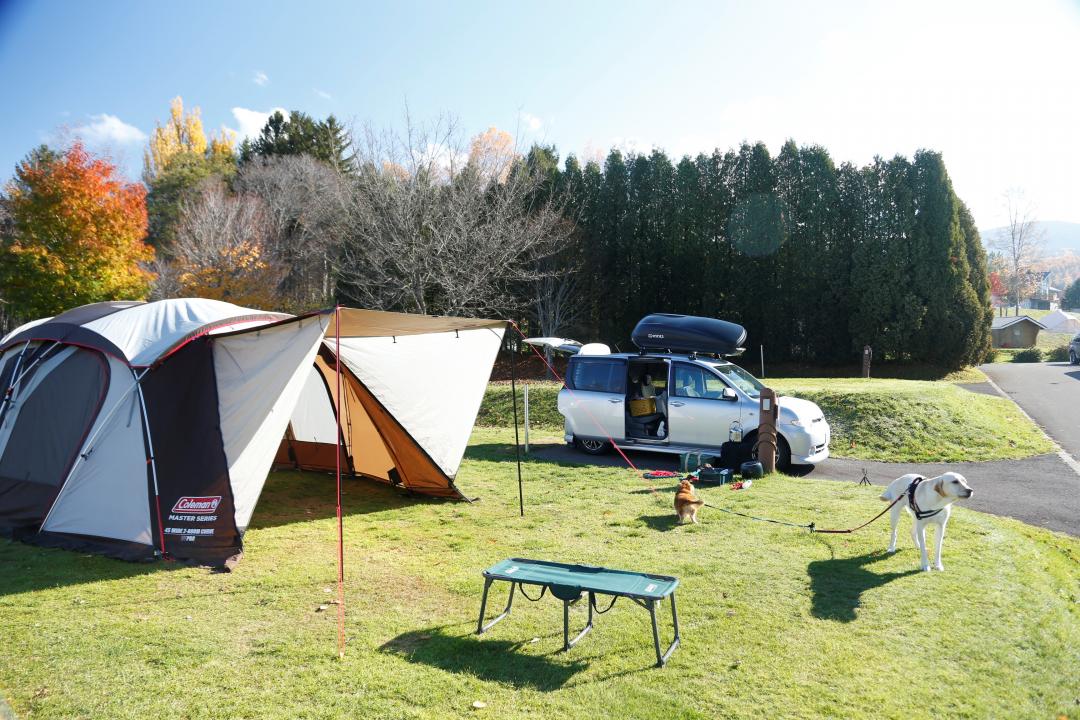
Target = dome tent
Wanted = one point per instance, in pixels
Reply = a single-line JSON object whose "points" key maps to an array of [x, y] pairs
{"points": [[1060, 321], [142, 429]]}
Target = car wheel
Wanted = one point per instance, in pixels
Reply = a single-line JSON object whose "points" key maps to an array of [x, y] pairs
{"points": [[749, 446], [593, 447], [783, 450], [783, 454]]}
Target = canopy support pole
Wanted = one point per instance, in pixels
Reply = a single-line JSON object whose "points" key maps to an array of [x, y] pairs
{"points": [[340, 522], [517, 441]]}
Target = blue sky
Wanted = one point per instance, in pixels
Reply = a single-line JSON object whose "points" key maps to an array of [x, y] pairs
{"points": [[992, 85]]}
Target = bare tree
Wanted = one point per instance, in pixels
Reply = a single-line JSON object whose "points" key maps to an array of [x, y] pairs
{"points": [[222, 249], [1021, 243], [166, 279], [310, 207], [558, 302], [433, 233]]}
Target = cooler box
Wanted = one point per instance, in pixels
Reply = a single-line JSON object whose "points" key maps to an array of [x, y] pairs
{"points": [[644, 406]]}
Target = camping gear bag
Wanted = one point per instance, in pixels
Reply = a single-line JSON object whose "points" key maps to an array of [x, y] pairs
{"points": [[642, 406]]}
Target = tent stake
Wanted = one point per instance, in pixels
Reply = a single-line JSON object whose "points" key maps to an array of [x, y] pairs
{"points": [[517, 443], [340, 523]]}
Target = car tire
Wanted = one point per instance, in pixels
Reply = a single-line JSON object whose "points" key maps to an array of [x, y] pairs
{"points": [[783, 450], [593, 447], [783, 454]]}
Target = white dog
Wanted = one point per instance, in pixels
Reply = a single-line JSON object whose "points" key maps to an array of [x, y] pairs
{"points": [[928, 501]]}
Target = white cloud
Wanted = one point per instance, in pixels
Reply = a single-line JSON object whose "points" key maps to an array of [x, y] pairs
{"points": [[108, 129], [323, 94], [530, 122], [261, 79], [445, 157], [250, 122]]}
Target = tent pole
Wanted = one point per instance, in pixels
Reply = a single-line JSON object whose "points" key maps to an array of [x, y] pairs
{"points": [[340, 523], [517, 443], [151, 461]]}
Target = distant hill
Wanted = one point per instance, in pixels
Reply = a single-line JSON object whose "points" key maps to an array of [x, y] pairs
{"points": [[1061, 253], [1060, 237]]}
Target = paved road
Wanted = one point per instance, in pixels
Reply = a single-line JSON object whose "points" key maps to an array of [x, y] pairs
{"points": [[1041, 490], [1048, 392]]}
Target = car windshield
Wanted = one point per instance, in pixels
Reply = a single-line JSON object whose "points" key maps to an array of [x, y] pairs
{"points": [[741, 379]]}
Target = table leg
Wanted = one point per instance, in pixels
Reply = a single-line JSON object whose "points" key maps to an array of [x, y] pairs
{"points": [[655, 634], [480, 626], [565, 625], [675, 622], [567, 642]]}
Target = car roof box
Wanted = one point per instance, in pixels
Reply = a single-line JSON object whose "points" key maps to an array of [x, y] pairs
{"points": [[686, 333]]}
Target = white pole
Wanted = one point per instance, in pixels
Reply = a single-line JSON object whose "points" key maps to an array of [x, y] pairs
{"points": [[526, 418]]}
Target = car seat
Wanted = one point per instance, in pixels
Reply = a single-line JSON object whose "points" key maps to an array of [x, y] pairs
{"points": [[686, 387]]}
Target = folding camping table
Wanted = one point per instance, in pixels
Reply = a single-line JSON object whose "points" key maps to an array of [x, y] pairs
{"points": [[568, 582]]}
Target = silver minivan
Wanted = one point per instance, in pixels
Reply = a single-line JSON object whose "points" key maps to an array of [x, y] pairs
{"points": [[674, 403]]}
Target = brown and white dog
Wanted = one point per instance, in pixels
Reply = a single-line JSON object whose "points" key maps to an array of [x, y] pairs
{"points": [[687, 503], [933, 499]]}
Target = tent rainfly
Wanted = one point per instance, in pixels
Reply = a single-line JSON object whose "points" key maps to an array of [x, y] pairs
{"points": [[138, 430], [1060, 321]]}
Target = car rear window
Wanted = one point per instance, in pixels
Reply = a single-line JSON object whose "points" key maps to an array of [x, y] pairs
{"points": [[598, 375]]}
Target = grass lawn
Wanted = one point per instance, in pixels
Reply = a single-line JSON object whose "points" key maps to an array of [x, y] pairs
{"points": [[776, 622], [875, 419], [918, 421]]}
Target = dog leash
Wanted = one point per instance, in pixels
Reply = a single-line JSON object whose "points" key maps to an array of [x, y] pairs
{"points": [[851, 530], [810, 527]]}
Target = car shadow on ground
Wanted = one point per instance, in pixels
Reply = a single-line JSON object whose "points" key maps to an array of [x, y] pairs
{"points": [[837, 584], [454, 649], [561, 454]]}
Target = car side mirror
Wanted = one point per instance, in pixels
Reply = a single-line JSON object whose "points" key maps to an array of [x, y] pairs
{"points": [[729, 394]]}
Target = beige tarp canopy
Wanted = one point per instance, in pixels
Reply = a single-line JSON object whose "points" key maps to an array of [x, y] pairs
{"points": [[380, 323], [411, 388]]}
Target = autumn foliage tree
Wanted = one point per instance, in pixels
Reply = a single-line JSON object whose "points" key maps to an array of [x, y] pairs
{"points": [[178, 157], [74, 235], [222, 248], [183, 134]]}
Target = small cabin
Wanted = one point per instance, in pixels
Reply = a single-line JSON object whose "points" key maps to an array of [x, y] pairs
{"points": [[1018, 331]]}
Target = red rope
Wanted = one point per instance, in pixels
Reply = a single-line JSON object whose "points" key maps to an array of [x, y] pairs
{"points": [[341, 526]]}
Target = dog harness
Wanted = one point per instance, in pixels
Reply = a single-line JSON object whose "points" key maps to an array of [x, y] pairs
{"points": [[919, 514]]}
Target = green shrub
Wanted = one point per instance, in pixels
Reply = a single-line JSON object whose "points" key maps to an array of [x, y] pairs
{"points": [[991, 356], [1058, 354], [1028, 355]]}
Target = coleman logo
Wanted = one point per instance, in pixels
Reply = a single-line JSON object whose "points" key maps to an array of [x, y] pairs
{"points": [[197, 505]]}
